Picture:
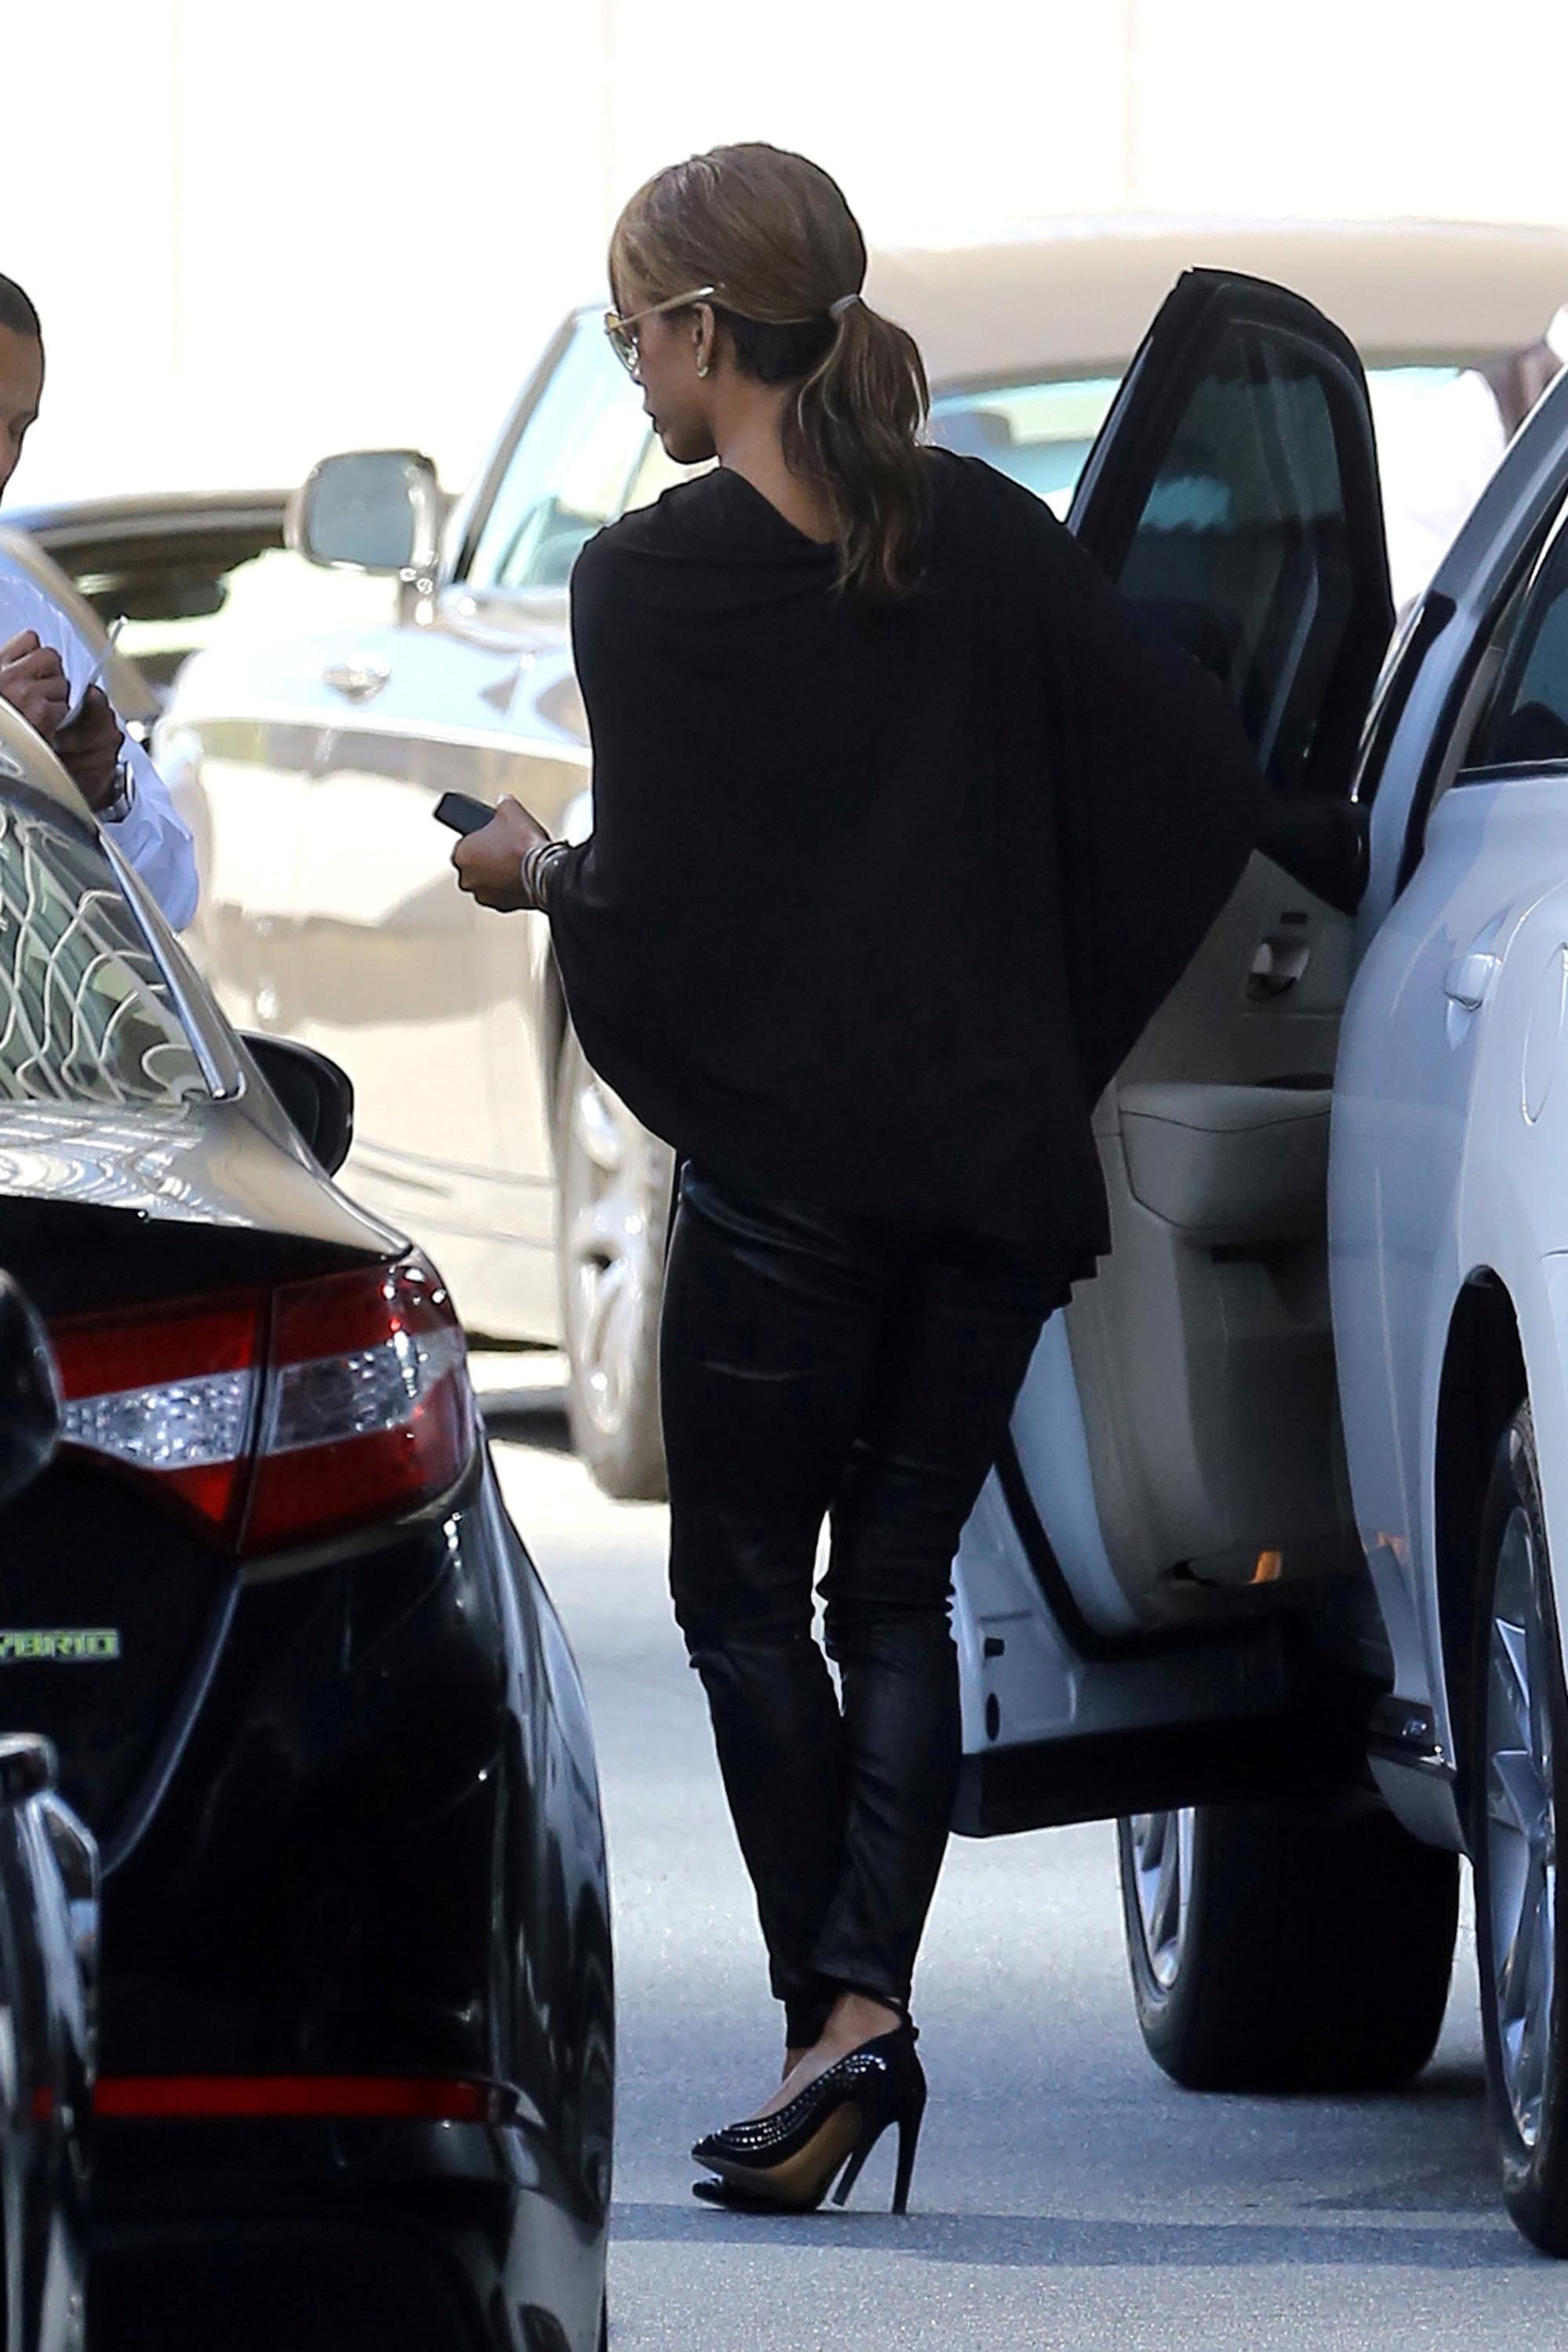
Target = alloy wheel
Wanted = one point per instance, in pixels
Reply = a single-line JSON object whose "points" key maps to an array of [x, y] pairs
{"points": [[1162, 1857], [1520, 1824]]}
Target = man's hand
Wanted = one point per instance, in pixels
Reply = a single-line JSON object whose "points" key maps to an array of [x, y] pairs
{"points": [[33, 680], [89, 749], [489, 862]]}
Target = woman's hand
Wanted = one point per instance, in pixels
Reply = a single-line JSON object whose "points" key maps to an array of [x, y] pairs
{"points": [[490, 863]]}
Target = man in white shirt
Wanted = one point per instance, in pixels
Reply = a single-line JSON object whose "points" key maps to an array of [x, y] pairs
{"points": [[1447, 449], [45, 662]]}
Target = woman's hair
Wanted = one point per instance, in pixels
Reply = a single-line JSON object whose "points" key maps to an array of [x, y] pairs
{"points": [[772, 234]]}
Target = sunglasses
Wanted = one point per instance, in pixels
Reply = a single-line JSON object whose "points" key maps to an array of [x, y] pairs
{"points": [[624, 343]]}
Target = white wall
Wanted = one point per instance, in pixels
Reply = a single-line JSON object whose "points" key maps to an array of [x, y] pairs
{"points": [[257, 234]]}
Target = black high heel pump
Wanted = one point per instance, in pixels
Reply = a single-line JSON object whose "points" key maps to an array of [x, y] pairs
{"points": [[789, 2159]]}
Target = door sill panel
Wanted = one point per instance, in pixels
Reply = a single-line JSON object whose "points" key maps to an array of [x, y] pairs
{"points": [[1313, 1751], [1063, 1723]]}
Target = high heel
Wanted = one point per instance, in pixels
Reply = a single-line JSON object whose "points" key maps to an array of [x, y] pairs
{"points": [[909, 2120], [790, 2159]]}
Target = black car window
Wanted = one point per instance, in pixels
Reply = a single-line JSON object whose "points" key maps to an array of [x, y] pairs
{"points": [[1526, 722], [1243, 547], [568, 470], [86, 1014]]}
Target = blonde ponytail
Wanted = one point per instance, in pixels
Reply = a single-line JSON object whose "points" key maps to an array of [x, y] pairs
{"points": [[855, 430]]}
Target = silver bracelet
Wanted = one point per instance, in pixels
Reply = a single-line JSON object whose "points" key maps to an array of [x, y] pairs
{"points": [[539, 863], [122, 800]]}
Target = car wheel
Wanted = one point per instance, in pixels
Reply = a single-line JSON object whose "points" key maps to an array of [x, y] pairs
{"points": [[616, 1182], [1520, 1746], [1276, 1949]]}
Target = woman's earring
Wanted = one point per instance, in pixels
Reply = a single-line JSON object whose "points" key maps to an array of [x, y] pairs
{"points": [[702, 368]]}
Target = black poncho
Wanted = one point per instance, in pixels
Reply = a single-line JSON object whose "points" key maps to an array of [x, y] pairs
{"points": [[879, 896]]}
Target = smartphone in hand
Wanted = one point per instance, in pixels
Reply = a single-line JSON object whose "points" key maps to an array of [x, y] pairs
{"points": [[462, 812]]}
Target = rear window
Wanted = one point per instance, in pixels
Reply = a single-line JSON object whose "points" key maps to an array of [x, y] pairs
{"points": [[86, 1013], [1041, 434]]}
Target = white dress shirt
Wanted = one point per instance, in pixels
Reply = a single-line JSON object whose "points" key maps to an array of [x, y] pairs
{"points": [[149, 835], [1447, 451]]}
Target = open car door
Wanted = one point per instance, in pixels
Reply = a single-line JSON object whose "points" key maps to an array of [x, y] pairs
{"points": [[1159, 1597]]}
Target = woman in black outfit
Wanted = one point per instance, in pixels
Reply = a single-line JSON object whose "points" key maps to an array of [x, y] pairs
{"points": [[902, 829]]}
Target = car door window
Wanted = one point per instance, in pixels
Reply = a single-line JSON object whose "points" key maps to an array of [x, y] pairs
{"points": [[1526, 722], [568, 471], [1240, 547], [1233, 495]]}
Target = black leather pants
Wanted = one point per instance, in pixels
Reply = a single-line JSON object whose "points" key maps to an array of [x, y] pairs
{"points": [[820, 1365]]}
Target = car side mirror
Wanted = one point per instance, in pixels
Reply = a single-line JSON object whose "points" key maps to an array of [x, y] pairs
{"points": [[375, 511], [317, 1095], [29, 1392]]}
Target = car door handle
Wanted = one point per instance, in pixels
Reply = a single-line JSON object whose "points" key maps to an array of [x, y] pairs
{"points": [[359, 677], [1276, 967], [1469, 979]]}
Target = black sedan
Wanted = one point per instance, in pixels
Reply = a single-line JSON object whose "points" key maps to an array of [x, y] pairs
{"points": [[307, 1694]]}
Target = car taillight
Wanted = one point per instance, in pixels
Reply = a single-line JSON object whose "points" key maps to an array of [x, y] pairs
{"points": [[170, 1392], [273, 1419], [368, 1409]]}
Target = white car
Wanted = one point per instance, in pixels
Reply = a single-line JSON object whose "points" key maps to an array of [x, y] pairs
{"points": [[1332, 1337], [307, 763]]}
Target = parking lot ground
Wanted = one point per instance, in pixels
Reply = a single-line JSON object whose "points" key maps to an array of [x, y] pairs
{"points": [[1067, 2196]]}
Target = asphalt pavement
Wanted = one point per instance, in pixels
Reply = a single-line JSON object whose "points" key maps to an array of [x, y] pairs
{"points": [[1067, 2196]]}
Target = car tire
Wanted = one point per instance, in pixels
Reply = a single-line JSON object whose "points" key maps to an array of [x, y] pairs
{"points": [[1519, 1793], [1278, 1949], [616, 1184]]}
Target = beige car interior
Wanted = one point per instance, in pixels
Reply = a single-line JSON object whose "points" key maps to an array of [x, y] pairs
{"points": [[1204, 1351]]}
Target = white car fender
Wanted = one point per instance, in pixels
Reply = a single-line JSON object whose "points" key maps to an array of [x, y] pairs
{"points": [[1511, 1216], [1543, 1328], [1512, 1209], [1492, 1175]]}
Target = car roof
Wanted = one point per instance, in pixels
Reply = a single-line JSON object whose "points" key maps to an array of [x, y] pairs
{"points": [[1076, 295], [67, 522]]}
